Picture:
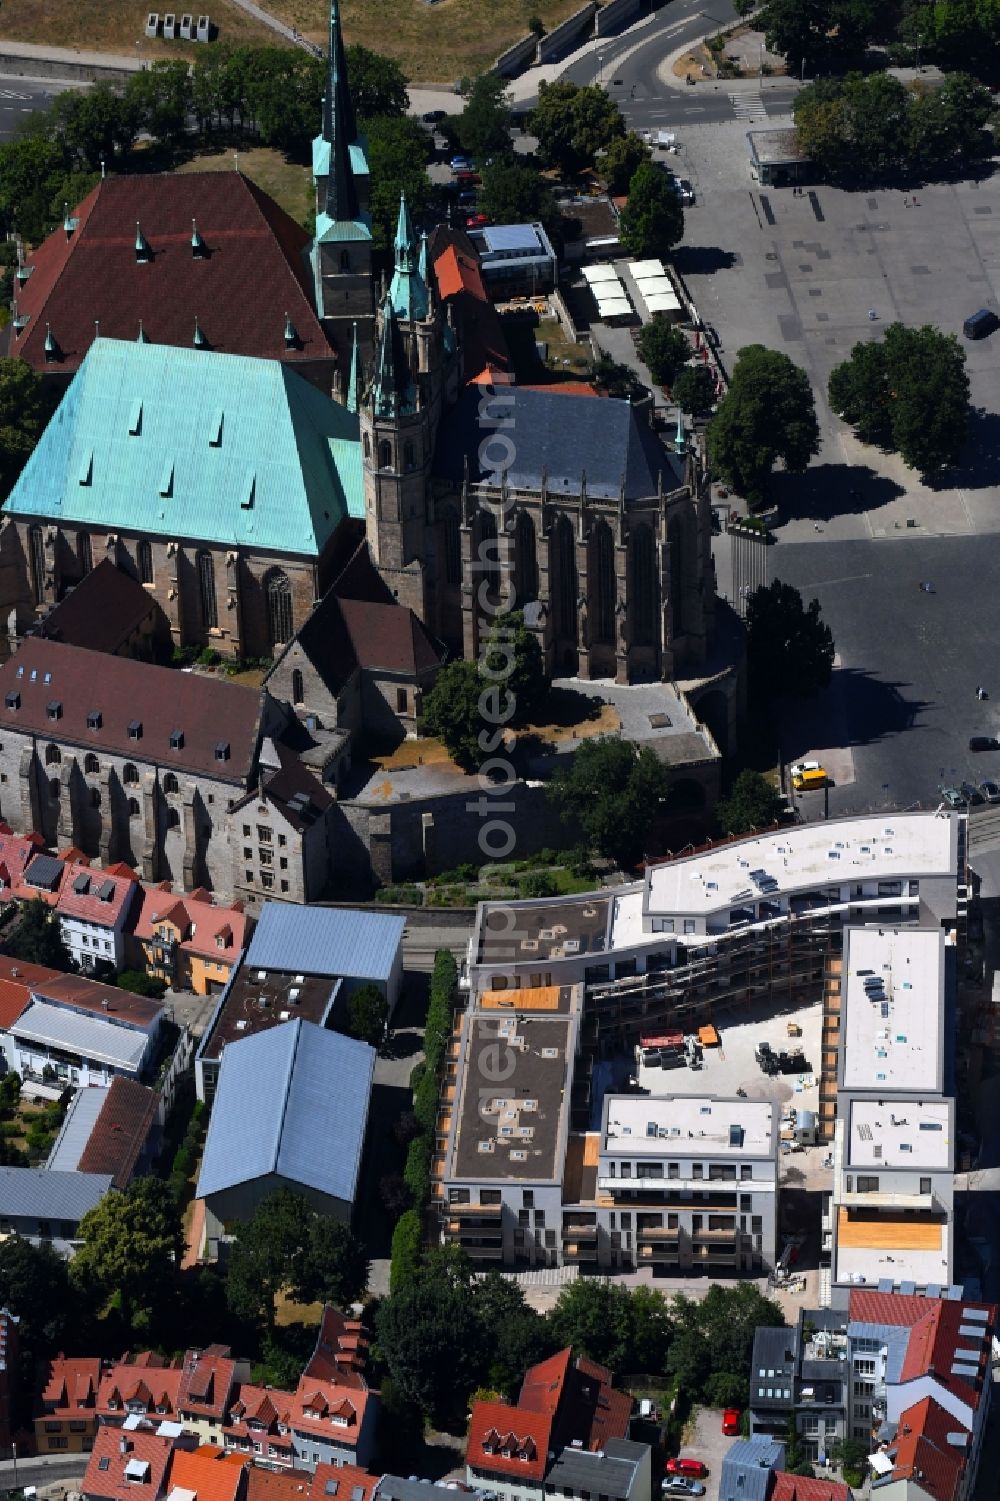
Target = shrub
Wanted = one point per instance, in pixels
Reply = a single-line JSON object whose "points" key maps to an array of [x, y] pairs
{"points": [[407, 1245], [417, 1172], [537, 883]]}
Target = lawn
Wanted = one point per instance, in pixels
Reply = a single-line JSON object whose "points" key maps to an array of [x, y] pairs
{"points": [[435, 43], [288, 183], [116, 26]]}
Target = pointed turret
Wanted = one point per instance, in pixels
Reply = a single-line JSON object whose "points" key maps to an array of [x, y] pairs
{"points": [[199, 341], [292, 340], [408, 290], [52, 350], [680, 437], [142, 250], [354, 382], [198, 247], [340, 129], [393, 394], [142, 337]]}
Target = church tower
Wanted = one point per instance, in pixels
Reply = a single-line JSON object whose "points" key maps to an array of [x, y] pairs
{"points": [[341, 252], [399, 416]]}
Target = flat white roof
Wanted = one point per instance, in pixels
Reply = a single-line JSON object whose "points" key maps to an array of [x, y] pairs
{"points": [[891, 1256], [660, 302], [613, 304], [600, 273], [892, 1008], [820, 854], [687, 1125], [645, 268], [900, 1134]]}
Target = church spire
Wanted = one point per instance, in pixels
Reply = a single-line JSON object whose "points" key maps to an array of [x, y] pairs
{"points": [[408, 291], [340, 128], [394, 394]]}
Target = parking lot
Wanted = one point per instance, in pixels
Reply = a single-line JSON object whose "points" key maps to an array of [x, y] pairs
{"points": [[705, 1440]]}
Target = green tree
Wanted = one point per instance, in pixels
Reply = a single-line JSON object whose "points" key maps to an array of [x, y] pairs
{"points": [[619, 380], [483, 127], [30, 167], [429, 1337], [332, 1266], [378, 83], [623, 158], [713, 1338], [130, 1246], [367, 1015], [451, 711], [139, 983], [768, 414], [594, 1315], [909, 392], [789, 647], [407, 1246], [652, 221], [512, 193], [24, 410], [398, 150], [511, 671], [694, 390], [573, 123], [947, 121], [753, 803], [37, 939], [827, 32], [34, 1284], [663, 349], [161, 94], [612, 793], [280, 89], [513, 1334], [266, 1252]]}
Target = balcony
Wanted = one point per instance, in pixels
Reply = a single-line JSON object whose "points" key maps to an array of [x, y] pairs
{"points": [[715, 1236], [469, 1212], [658, 1233], [574, 1251], [579, 1232]]}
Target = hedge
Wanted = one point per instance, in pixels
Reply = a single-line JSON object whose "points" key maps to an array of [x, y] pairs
{"points": [[417, 1172], [407, 1242]]}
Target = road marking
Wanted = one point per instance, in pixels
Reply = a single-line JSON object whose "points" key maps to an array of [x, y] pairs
{"points": [[849, 578]]}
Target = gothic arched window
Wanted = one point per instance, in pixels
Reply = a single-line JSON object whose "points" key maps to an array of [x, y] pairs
{"points": [[53, 755], [279, 607], [206, 589], [36, 558], [644, 592], [84, 552], [298, 688], [144, 557]]}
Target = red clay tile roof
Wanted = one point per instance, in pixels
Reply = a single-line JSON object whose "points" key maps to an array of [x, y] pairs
{"points": [[16, 853], [16, 979], [389, 638], [480, 331], [542, 1387], [510, 1441], [568, 388], [580, 1399], [200, 923], [866, 1307], [98, 999], [278, 1485], [95, 896], [316, 1403], [106, 1467], [156, 1387], [69, 1386], [254, 274], [207, 710], [936, 1343], [99, 613], [120, 1132], [802, 1488], [342, 1483], [211, 1472], [922, 1444], [341, 1352]]}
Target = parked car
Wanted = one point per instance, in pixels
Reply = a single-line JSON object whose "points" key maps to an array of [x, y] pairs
{"points": [[981, 324], [434, 115], [461, 164], [952, 797], [731, 1420], [695, 1469], [983, 743], [990, 791], [476, 221], [971, 793], [799, 768], [680, 1485]]}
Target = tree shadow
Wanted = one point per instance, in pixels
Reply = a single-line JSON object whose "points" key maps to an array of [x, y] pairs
{"points": [[829, 490], [979, 465], [857, 708], [566, 707], [702, 260]]}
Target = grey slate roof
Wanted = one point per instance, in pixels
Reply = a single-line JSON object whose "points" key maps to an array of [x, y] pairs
{"points": [[559, 437], [612, 1472], [291, 1101], [400, 1488], [90, 1036], [74, 1134], [325, 941], [35, 1193], [746, 1469]]}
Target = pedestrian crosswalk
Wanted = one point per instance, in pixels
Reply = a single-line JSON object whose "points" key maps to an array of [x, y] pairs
{"points": [[749, 107], [13, 94], [545, 1276]]}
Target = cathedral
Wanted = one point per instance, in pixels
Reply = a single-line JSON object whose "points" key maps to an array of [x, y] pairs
{"points": [[473, 493]]}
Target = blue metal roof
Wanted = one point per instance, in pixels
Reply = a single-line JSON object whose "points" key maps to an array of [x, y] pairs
{"points": [[747, 1466], [334, 941], [186, 443], [75, 1132], [512, 237], [291, 1101], [38, 1193]]}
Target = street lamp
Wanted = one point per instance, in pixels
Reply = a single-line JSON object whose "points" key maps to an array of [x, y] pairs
{"points": [[600, 69]]}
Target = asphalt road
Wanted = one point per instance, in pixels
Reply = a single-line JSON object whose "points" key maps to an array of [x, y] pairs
{"points": [[21, 97], [57, 1468]]}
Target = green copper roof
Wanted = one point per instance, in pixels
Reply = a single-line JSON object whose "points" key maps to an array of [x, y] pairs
{"points": [[408, 290], [333, 231], [189, 444], [356, 151]]}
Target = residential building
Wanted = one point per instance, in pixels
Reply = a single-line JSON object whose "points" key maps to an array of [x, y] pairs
{"points": [[286, 1072], [751, 919], [39, 1205], [9, 1376], [208, 1473], [188, 942], [891, 1211], [79, 1031], [16, 979], [806, 1488], [693, 1181], [142, 764], [877, 1372], [565, 1434], [209, 1382], [342, 1482], [108, 611], [109, 1129], [329, 1420], [133, 1465], [140, 1388], [94, 908], [748, 1469], [459, 278], [65, 1417], [221, 481]]}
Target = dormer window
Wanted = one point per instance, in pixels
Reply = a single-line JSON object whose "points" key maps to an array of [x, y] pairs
{"points": [[176, 740], [135, 729], [222, 750], [13, 701], [94, 719], [54, 709]]}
